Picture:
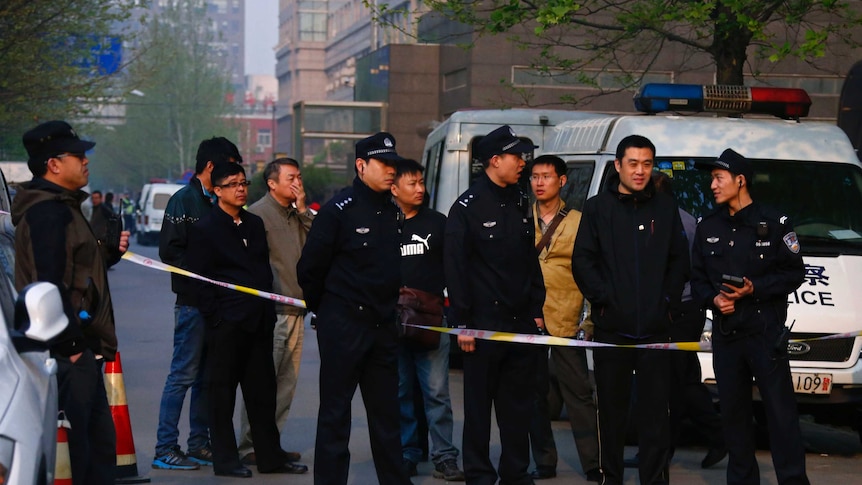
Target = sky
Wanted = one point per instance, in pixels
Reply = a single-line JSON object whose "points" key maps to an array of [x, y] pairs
{"points": [[261, 35]]}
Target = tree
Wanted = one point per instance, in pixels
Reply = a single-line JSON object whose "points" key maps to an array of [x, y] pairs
{"points": [[46, 52], [184, 100], [632, 36]]}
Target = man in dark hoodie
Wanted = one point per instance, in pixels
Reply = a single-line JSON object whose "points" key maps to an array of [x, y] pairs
{"points": [[631, 261], [54, 243]]}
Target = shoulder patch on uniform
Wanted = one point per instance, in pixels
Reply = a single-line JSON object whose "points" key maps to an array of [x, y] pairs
{"points": [[465, 199], [791, 241], [344, 203]]}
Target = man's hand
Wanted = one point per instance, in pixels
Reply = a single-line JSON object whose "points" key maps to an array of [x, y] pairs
{"points": [[540, 323], [299, 193], [467, 344], [124, 241], [746, 289], [74, 358], [724, 304]]}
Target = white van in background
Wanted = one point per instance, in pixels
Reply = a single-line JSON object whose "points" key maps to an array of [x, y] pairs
{"points": [[448, 153], [151, 211], [808, 170]]}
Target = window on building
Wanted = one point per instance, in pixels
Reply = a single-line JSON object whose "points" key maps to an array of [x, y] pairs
{"points": [[523, 76], [264, 137], [454, 80]]}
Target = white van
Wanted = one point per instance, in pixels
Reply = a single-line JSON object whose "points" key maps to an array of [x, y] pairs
{"points": [[447, 157], [808, 170], [151, 211]]}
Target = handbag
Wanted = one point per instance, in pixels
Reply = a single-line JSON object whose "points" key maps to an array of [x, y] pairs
{"points": [[419, 308]]}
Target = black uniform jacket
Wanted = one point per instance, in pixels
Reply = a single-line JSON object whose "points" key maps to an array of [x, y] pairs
{"points": [[758, 243], [353, 256], [491, 266], [631, 260], [232, 253]]}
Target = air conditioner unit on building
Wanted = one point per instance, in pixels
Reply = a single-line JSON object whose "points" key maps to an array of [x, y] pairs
{"points": [[259, 149]]}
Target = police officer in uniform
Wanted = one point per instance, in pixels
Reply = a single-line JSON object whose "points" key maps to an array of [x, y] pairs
{"points": [[350, 272], [757, 245], [495, 283]]}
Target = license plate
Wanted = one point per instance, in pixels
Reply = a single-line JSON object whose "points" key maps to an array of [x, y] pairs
{"points": [[811, 383]]}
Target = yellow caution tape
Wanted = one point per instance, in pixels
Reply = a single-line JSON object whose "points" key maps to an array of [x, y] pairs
{"points": [[151, 263], [467, 332]]}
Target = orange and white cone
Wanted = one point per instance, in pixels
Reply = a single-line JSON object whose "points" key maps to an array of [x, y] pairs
{"points": [[63, 465], [127, 462]]}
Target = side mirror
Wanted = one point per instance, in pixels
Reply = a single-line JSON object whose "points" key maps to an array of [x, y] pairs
{"points": [[39, 314]]}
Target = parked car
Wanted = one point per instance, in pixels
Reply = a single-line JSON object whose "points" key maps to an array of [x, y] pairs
{"points": [[151, 210], [28, 382]]}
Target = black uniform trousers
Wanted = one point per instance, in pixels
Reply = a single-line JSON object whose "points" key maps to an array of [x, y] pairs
{"points": [[92, 439], [689, 396], [502, 374], [735, 362], [240, 357], [613, 373], [541, 434], [355, 352]]}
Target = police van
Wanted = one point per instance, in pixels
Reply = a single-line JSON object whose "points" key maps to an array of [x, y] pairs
{"points": [[807, 169], [151, 210]]}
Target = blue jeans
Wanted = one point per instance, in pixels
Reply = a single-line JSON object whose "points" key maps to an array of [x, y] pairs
{"points": [[186, 372], [432, 370]]}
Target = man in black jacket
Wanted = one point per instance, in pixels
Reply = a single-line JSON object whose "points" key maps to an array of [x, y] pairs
{"points": [[495, 283], [230, 246], [184, 209], [631, 261], [350, 271]]}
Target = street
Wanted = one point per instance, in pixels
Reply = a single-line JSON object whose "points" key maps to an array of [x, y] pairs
{"points": [[143, 305]]}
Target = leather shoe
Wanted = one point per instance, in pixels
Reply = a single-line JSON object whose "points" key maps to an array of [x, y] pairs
{"points": [[238, 472], [292, 456], [713, 456], [539, 474], [289, 467]]}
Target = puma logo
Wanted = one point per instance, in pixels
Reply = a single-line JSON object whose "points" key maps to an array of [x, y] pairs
{"points": [[424, 241]]}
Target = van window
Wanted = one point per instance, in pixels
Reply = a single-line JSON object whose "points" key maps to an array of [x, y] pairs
{"points": [[160, 201], [822, 199], [578, 177], [432, 171]]}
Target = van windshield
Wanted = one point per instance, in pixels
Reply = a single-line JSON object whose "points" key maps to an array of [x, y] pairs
{"points": [[822, 199]]}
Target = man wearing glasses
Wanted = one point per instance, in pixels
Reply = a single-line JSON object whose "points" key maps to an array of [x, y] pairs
{"points": [[230, 246], [54, 243], [184, 209]]}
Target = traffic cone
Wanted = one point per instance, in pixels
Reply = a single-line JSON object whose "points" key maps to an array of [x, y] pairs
{"points": [[127, 463], [63, 464]]}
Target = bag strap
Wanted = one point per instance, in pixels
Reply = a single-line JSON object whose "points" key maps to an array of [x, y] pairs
{"points": [[546, 238]]}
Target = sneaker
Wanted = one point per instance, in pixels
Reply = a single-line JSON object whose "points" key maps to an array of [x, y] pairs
{"points": [[448, 470], [174, 459], [203, 456]]}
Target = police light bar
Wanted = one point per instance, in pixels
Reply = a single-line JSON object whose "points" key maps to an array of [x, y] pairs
{"points": [[788, 103]]}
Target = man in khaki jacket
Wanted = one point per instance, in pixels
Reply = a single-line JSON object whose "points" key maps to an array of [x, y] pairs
{"points": [[556, 228], [287, 221]]}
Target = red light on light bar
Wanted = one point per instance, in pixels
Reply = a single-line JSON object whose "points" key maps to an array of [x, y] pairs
{"points": [[782, 102]]}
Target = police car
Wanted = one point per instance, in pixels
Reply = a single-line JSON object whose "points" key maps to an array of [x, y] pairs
{"points": [[807, 169]]}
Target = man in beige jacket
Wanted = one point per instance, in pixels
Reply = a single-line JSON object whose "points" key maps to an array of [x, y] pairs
{"points": [[287, 220], [556, 228]]}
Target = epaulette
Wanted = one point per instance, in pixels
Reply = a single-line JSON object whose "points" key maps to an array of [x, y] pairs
{"points": [[343, 199], [467, 197], [769, 213], [713, 212], [344, 202]]}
